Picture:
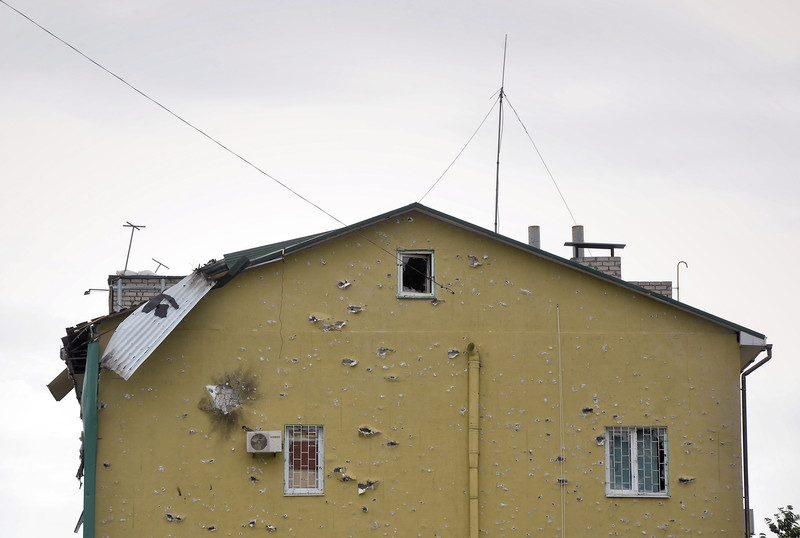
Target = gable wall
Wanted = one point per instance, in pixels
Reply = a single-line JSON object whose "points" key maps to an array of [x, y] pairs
{"points": [[629, 359]]}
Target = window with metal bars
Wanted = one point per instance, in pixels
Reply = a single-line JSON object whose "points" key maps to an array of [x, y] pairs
{"points": [[636, 461], [303, 460]]}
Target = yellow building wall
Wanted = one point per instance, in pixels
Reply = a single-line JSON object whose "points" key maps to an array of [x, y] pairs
{"points": [[169, 466]]}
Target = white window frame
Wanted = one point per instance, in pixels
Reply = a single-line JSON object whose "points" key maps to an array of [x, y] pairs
{"points": [[632, 456], [291, 477], [430, 291]]}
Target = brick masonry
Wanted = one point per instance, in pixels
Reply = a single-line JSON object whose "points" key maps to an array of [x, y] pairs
{"points": [[126, 291], [664, 287], [612, 265]]}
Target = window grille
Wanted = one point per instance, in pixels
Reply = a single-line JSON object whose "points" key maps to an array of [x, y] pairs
{"points": [[303, 459], [636, 459]]}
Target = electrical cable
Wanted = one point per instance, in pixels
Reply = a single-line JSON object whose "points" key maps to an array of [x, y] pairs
{"points": [[459, 153], [173, 114], [553, 179], [214, 140]]}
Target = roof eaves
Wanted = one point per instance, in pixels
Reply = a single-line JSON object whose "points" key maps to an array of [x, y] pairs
{"points": [[235, 262], [276, 250], [327, 236], [575, 265]]}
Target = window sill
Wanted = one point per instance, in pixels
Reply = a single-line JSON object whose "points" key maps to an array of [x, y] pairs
{"points": [[416, 296], [636, 495]]}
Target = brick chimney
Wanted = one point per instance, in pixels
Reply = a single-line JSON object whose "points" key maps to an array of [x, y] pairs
{"points": [[132, 289], [610, 265]]}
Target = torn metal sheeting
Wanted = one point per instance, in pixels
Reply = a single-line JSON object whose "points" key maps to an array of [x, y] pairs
{"points": [[141, 332]]}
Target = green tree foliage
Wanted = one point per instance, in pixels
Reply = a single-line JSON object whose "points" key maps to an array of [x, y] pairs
{"points": [[786, 524]]}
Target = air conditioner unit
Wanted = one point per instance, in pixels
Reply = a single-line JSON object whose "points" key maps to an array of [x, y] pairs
{"points": [[259, 442]]}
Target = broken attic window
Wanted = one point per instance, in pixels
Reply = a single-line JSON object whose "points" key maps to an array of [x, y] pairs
{"points": [[415, 274], [303, 457], [636, 461]]}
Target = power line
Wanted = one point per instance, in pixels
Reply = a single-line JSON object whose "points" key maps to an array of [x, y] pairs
{"points": [[173, 114], [215, 141]]}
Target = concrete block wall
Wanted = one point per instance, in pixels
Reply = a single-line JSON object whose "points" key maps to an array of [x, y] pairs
{"points": [[126, 291]]}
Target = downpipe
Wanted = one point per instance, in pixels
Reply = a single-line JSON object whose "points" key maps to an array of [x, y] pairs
{"points": [[473, 436], [748, 531]]}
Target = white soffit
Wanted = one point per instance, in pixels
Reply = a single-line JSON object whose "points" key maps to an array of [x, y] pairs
{"points": [[747, 339], [141, 332]]}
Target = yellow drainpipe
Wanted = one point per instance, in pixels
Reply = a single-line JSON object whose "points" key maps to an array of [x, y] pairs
{"points": [[474, 436]]}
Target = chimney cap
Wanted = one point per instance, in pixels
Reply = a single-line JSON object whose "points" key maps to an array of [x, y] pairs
{"points": [[581, 244]]}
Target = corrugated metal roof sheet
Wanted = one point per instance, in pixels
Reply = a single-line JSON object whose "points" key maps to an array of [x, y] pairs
{"points": [[141, 332]]}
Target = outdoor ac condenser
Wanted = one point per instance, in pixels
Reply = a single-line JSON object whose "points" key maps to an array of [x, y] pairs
{"points": [[259, 442]]}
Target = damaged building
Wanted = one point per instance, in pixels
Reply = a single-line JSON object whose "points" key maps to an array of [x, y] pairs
{"points": [[412, 375]]}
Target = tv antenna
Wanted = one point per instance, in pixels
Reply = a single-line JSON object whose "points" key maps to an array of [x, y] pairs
{"points": [[133, 228], [499, 141], [160, 265]]}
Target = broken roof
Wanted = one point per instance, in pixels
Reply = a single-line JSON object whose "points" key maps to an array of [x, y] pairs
{"points": [[141, 332]]}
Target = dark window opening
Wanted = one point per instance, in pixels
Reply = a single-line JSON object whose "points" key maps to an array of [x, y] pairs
{"points": [[417, 273]]}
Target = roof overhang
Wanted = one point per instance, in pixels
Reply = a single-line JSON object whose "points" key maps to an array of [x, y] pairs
{"points": [[750, 346]]}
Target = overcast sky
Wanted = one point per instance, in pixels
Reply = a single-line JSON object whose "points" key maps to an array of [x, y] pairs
{"points": [[671, 126]]}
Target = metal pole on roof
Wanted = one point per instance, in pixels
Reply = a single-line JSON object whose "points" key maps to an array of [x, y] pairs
{"points": [[133, 228], [678, 279], [499, 141]]}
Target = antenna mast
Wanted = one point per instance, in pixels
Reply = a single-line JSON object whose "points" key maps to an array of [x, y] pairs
{"points": [[499, 141], [133, 228]]}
